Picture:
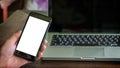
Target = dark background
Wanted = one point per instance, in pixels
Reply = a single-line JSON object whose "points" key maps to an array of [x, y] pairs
{"points": [[79, 16], [85, 15], [16, 5]]}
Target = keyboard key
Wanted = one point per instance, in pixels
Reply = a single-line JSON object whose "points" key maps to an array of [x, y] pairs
{"points": [[85, 40]]}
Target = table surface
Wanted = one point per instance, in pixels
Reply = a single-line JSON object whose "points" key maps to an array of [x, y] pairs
{"points": [[73, 64], [16, 21]]}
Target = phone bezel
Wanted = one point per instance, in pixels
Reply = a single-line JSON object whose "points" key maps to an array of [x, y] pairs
{"points": [[25, 55]]}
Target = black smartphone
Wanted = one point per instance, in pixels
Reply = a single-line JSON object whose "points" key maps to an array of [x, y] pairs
{"points": [[32, 36]]}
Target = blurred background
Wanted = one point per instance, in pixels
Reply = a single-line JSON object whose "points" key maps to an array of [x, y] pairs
{"points": [[7, 7], [76, 16]]}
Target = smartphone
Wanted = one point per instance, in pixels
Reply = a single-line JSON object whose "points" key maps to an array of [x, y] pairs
{"points": [[32, 36]]}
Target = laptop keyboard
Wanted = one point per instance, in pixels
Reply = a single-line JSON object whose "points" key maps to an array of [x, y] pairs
{"points": [[85, 40]]}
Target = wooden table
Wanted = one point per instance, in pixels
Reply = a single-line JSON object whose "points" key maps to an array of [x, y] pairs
{"points": [[16, 21]]}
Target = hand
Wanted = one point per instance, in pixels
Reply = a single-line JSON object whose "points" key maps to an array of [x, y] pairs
{"points": [[7, 57]]}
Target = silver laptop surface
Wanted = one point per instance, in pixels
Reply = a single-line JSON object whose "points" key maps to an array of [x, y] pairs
{"points": [[83, 31]]}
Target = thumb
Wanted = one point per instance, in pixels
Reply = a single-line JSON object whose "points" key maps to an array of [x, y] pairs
{"points": [[14, 38]]}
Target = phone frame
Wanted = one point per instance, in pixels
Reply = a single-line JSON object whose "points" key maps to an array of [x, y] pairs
{"points": [[25, 55]]}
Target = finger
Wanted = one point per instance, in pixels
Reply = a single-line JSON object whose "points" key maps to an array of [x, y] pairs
{"points": [[13, 39], [9, 45], [42, 49], [43, 46], [39, 55]]}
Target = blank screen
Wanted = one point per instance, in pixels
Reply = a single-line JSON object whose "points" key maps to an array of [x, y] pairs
{"points": [[88, 16], [32, 36]]}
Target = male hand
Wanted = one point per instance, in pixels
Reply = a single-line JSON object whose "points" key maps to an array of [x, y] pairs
{"points": [[7, 57]]}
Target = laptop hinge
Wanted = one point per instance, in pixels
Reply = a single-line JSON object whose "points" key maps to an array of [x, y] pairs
{"points": [[87, 58]]}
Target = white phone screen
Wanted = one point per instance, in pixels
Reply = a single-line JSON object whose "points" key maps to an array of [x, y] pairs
{"points": [[32, 36]]}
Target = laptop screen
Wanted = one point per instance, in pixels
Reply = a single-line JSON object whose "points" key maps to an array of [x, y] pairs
{"points": [[85, 15]]}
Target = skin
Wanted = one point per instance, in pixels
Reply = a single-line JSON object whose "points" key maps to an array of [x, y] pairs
{"points": [[7, 57]]}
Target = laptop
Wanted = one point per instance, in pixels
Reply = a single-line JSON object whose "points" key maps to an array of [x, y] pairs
{"points": [[83, 31]]}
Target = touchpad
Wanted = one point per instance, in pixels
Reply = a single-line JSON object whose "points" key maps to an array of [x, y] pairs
{"points": [[88, 51]]}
